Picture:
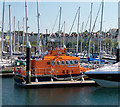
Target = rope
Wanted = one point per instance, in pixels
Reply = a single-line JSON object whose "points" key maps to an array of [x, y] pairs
{"points": [[74, 21], [55, 22]]}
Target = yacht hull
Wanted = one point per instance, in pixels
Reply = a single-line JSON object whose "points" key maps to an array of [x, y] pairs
{"points": [[105, 79], [107, 83]]}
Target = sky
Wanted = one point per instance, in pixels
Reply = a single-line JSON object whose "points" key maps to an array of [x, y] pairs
{"points": [[49, 12]]}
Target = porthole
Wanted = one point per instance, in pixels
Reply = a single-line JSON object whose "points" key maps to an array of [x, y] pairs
{"points": [[76, 62], [58, 63], [71, 62], [62, 62], [67, 62]]}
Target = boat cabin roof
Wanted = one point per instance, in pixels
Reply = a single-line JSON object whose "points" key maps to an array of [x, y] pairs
{"points": [[61, 57]]}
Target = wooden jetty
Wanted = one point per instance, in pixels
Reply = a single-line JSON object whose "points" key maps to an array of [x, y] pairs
{"points": [[60, 83]]}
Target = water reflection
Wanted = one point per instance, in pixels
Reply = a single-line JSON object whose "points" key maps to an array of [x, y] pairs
{"points": [[13, 95]]}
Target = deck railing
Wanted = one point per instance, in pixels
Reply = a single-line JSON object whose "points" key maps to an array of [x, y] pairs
{"points": [[37, 71]]}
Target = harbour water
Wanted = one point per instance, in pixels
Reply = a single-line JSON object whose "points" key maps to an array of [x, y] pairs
{"points": [[88, 95]]}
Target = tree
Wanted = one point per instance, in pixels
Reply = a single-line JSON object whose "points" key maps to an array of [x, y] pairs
{"points": [[115, 45], [74, 33]]}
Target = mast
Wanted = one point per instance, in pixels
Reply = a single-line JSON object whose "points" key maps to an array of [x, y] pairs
{"points": [[81, 35], [118, 50], [101, 30], [78, 29], [64, 36], [26, 19], [90, 28], [23, 37], [18, 38], [59, 22], [10, 33], [2, 28], [119, 24], [14, 35], [38, 20], [105, 41]]}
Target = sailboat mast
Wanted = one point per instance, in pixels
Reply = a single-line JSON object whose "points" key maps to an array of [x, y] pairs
{"points": [[81, 35], [18, 38], [38, 20], [59, 22], [2, 28], [14, 35], [64, 36], [26, 19], [119, 24], [23, 37], [10, 33], [90, 28], [101, 30], [78, 29], [118, 50]]}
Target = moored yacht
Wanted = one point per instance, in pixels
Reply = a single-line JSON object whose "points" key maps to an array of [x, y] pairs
{"points": [[107, 76]]}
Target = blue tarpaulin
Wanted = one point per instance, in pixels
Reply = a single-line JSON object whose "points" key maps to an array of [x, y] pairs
{"points": [[94, 59]]}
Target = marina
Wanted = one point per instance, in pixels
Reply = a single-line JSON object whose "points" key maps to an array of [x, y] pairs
{"points": [[77, 64]]}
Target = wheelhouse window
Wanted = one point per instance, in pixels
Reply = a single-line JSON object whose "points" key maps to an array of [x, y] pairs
{"points": [[67, 62], [71, 62], [58, 63], [76, 62], [48, 63], [62, 62]]}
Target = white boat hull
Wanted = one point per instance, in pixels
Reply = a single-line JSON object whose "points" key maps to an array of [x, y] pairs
{"points": [[107, 83]]}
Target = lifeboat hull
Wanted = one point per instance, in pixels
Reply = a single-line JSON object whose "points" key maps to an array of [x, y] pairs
{"points": [[20, 79]]}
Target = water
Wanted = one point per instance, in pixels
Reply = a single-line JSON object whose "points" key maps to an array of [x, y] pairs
{"points": [[13, 95]]}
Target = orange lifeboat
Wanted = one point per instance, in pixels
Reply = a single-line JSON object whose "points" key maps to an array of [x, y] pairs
{"points": [[57, 65]]}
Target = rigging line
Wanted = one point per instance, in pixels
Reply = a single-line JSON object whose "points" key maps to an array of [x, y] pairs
{"points": [[73, 21], [87, 21], [96, 17], [62, 26], [55, 23], [82, 27]]}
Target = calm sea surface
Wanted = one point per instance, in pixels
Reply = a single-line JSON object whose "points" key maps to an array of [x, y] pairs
{"points": [[13, 95]]}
